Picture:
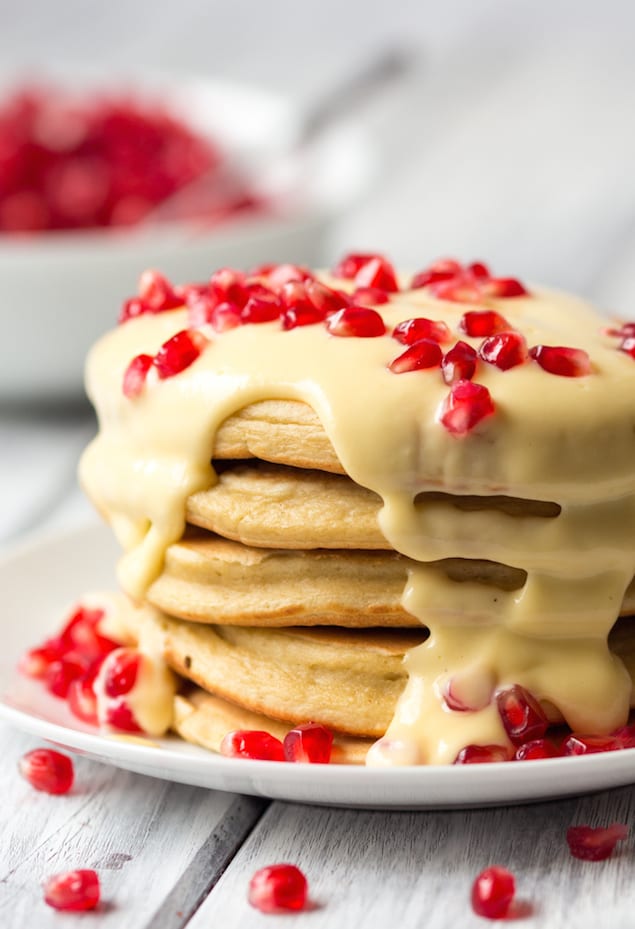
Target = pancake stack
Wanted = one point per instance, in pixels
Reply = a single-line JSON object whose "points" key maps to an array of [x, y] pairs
{"points": [[326, 535]]}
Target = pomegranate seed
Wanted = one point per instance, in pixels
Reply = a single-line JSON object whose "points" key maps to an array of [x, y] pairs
{"points": [[566, 362], [225, 316], [133, 308], [625, 735], [287, 273], [327, 300], [351, 264], [422, 354], [537, 748], [459, 363], [262, 270], [358, 321], [369, 296], [479, 323], [465, 406], [47, 770], [478, 270], [252, 743], [462, 289], [73, 890], [628, 346], [377, 273], [521, 714], [505, 350], [82, 700], [61, 673], [188, 294], [120, 716], [179, 352], [441, 270], [482, 754], [228, 286], [261, 309], [120, 671], [36, 661], [591, 844], [200, 309], [504, 287], [156, 292], [411, 330], [299, 309], [493, 892], [300, 316], [135, 375], [277, 888], [590, 744], [310, 743], [469, 691]]}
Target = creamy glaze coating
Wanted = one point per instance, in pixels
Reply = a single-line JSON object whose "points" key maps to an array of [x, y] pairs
{"points": [[566, 440]]}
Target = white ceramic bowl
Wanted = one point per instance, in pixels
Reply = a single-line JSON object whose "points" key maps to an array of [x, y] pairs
{"points": [[59, 291]]}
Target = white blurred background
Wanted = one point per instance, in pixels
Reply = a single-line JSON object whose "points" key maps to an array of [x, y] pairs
{"points": [[513, 138]]}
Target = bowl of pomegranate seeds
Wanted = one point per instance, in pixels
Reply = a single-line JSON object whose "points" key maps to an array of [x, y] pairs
{"points": [[100, 177]]}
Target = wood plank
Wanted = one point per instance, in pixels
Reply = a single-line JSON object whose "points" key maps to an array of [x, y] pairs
{"points": [[144, 836], [416, 869]]}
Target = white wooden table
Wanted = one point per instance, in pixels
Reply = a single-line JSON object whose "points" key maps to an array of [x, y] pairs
{"points": [[515, 142]]}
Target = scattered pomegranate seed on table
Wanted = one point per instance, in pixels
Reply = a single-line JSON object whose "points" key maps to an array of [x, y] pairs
{"points": [[73, 890], [309, 743], [591, 844], [47, 770], [278, 888], [493, 893]]}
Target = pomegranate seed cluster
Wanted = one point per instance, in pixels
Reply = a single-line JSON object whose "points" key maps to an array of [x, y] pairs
{"points": [[72, 663], [68, 163], [294, 297]]}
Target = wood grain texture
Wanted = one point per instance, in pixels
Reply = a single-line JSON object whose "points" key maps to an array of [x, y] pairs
{"points": [[416, 869], [142, 835]]}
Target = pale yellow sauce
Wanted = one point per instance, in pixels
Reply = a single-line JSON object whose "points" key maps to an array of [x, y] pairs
{"points": [[566, 440]]}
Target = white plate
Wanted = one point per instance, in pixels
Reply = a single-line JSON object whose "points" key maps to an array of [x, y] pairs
{"points": [[42, 579]]}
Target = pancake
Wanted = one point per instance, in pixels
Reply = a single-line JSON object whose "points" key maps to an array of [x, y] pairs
{"points": [[203, 719], [493, 506], [273, 506], [348, 682], [209, 579], [284, 431]]}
